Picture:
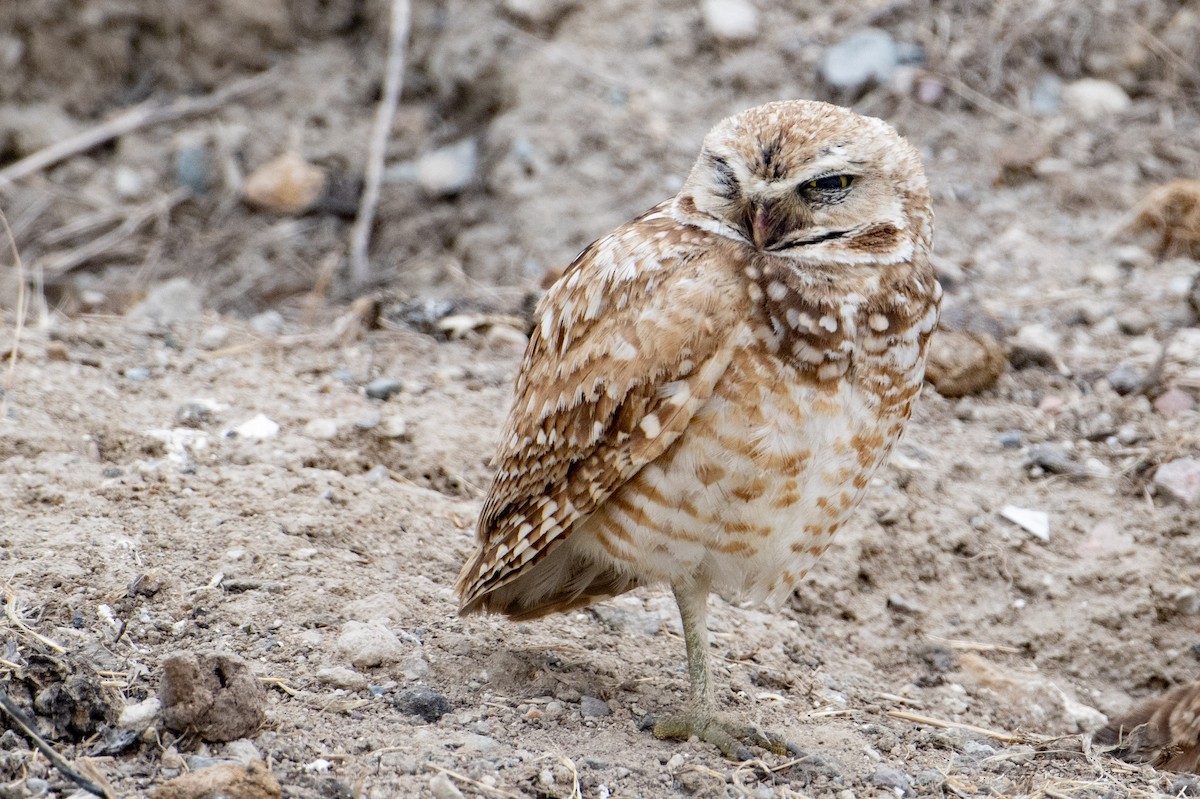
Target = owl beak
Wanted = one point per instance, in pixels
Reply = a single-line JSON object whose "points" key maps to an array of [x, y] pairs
{"points": [[763, 225]]}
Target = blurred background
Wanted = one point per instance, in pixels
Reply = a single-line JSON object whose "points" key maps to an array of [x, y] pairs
{"points": [[526, 128]]}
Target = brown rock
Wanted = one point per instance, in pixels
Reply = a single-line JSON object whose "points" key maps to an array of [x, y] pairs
{"points": [[287, 184], [215, 696], [226, 781], [963, 362]]}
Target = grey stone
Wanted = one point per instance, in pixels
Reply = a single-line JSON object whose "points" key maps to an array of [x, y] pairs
{"points": [[1011, 439], [382, 388], [590, 706], [1124, 379], [450, 169], [424, 702], [1046, 98], [440, 787], [730, 20], [268, 322], [887, 777], [1180, 480], [1052, 457], [172, 302], [137, 374], [1090, 99], [867, 55]]}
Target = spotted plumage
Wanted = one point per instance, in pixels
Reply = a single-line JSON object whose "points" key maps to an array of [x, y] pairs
{"points": [[710, 387], [1163, 731]]}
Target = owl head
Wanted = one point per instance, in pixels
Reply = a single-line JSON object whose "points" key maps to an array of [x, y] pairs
{"points": [[810, 181]]}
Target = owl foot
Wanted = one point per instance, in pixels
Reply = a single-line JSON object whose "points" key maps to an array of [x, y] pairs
{"points": [[731, 737]]}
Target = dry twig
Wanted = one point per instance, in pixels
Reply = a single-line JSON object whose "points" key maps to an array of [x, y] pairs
{"points": [[1005, 737], [29, 730], [140, 116], [10, 610], [360, 233], [19, 324]]}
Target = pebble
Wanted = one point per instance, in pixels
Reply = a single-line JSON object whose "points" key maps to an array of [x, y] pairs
{"points": [[1180, 480], [140, 714], [1134, 322], [1173, 402], [1052, 457], [590, 706], [538, 13], [441, 787], [963, 362], [867, 55], [193, 166], [382, 388], [127, 183], [256, 428], [1035, 522], [342, 677], [1011, 439], [422, 701], [242, 750], [481, 744], [174, 301], [629, 614], [1124, 379], [893, 778], [393, 427], [448, 170], [36, 786], [269, 323], [378, 473], [1090, 99], [1036, 345], [1187, 601], [214, 338], [675, 761], [1046, 97], [137, 374], [370, 644], [286, 184], [733, 21], [321, 429]]}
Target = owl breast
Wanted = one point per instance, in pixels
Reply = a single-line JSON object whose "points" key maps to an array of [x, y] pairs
{"points": [[775, 462]]}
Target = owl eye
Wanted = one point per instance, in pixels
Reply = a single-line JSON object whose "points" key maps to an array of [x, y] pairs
{"points": [[830, 183]]}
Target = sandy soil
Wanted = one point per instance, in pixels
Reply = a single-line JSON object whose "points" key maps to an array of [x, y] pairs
{"points": [[135, 523]]}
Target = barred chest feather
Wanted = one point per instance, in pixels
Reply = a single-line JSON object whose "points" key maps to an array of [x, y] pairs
{"points": [[781, 454]]}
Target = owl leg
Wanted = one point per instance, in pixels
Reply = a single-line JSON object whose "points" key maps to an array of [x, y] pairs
{"points": [[701, 717]]}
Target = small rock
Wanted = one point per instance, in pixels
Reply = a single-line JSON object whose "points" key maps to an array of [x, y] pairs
{"points": [[269, 323], [321, 429], [197, 412], [481, 744], [1036, 522], [242, 750], [378, 473], [215, 696], [1011, 439], [342, 677], [422, 701], [393, 427], [370, 644], [256, 428], [450, 169], [1173, 402], [442, 788], [172, 302], [1180, 479], [140, 714], [887, 777], [732, 21], [1090, 99], [138, 374], [127, 183], [1046, 97], [1051, 405], [1124, 379], [867, 55], [287, 184], [590, 706], [963, 362], [193, 165], [1134, 322], [36, 786], [57, 351], [214, 337], [382, 388], [1035, 345], [675, 761], [229, 781], [1187, 601], [1052, 457], [538, 13]]}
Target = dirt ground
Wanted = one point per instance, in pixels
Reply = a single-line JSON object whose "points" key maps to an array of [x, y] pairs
{"points": [[141, 517]]}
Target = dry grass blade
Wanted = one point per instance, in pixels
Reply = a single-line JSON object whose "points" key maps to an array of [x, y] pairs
{"points": [[141, 116], [1007, 738], [463, 778], [19, 323], [360, 233], [29, 730], [10, 610], [974, 646]]}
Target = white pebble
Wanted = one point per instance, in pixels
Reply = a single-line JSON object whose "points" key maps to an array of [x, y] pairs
{"points": [[731, 20], [1036, 522]]}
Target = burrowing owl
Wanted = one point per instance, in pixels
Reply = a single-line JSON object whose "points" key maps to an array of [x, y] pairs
{"points": [[711, 386], [1163, 731]]}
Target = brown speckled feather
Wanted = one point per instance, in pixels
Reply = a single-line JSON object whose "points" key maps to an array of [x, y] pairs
{"points": [[632, 340], [1163, 731]]}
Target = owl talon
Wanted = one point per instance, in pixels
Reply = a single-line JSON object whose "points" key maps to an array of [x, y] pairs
{"points": [[727, 735]]}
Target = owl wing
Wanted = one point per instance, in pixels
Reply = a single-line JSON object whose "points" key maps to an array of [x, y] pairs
{"points": [[632, 340]]}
